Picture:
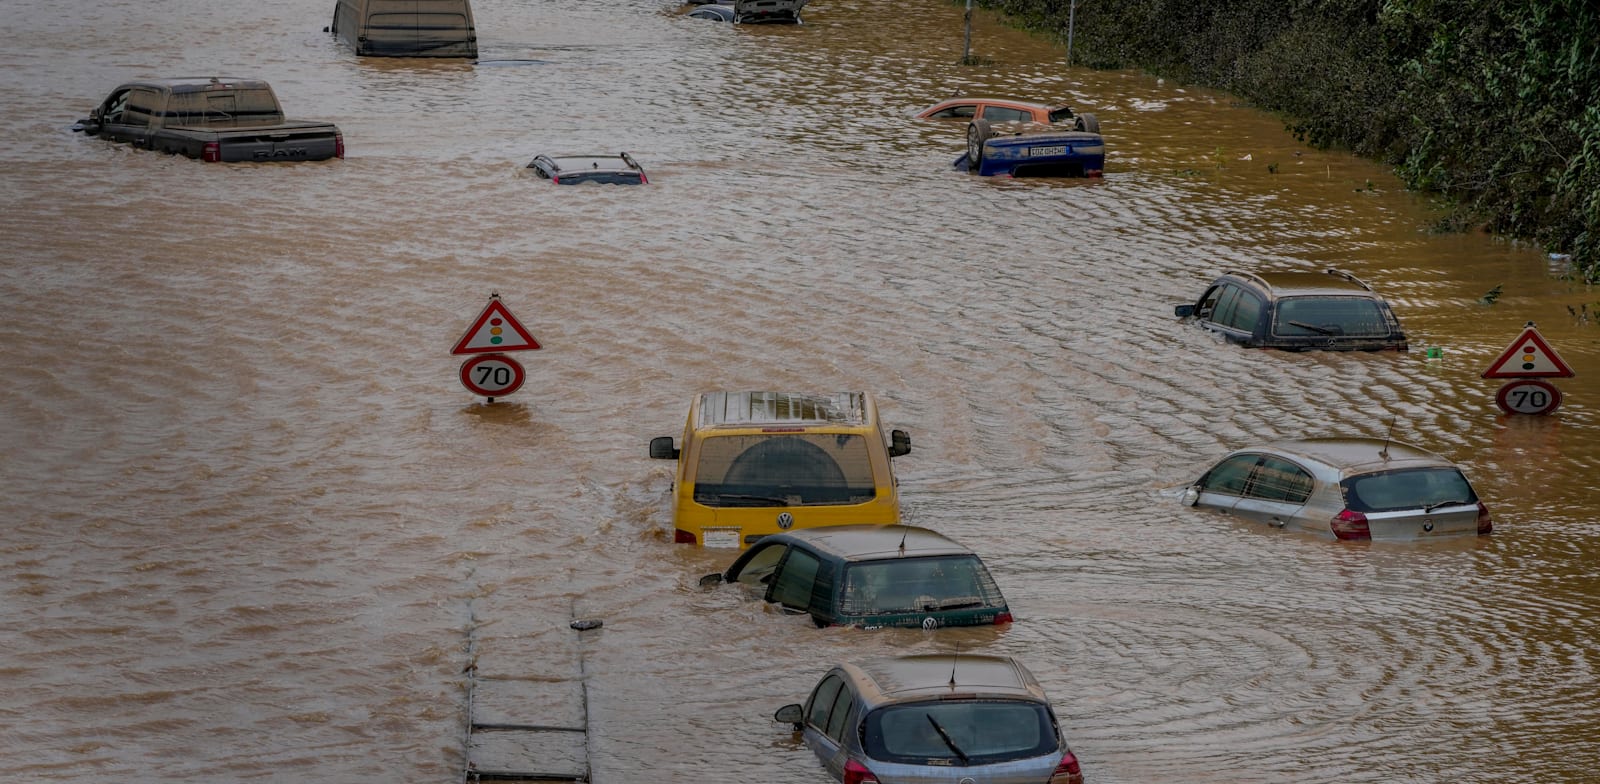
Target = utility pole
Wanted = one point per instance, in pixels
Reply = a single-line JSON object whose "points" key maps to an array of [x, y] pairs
{"points": [[1072, 14], [966, 46]]}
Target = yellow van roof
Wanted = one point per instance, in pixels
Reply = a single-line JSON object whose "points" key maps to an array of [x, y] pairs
{"points": [[782, 408]]}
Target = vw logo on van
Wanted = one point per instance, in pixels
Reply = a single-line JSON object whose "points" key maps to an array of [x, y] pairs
{"points": [[785, 521]]}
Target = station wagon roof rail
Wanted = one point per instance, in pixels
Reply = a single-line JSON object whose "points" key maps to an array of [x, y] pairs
{"points": [[1338, 273]]}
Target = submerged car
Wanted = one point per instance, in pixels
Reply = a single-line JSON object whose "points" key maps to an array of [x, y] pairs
{"points": [[748, 11], [934, 718], [1029, 149], [994, 110], [1296, 311], [1347, 488], [619, 169], [870, 576], [753, 464]]}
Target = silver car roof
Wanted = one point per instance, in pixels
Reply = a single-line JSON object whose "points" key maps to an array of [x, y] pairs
{"points": [[932, 676], [1356, 455]]}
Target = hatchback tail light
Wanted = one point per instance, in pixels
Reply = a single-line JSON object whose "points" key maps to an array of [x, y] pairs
{"points": [[856, 773], [681, 536], [1068, 771], [1485, 524], [211, 152], [1004, 617], [1351, 525], [338, 145]]}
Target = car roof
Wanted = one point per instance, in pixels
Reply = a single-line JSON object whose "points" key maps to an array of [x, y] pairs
{"points": [[931, 676], [875, 542], [1004, 101], [602, 160], [782, 408], [1297, 284], [1355, 455], [189, 84]]}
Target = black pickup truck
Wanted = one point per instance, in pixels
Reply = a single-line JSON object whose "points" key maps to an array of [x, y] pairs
{"points": [[212, 119]]}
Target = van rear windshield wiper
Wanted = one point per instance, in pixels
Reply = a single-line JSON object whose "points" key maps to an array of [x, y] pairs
{"points": [[751, 500]]}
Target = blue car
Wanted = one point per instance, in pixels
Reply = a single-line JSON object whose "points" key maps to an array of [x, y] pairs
{"points": [[1028, 149]]}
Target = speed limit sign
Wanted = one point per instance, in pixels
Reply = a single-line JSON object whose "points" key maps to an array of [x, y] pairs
{"points": [[1528, 396], [491, 375]]}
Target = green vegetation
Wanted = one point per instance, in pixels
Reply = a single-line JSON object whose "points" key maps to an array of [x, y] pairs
{"points": [[1494, 105]]}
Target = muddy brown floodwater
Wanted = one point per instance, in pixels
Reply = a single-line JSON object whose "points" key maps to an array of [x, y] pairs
{"points": [[252, 517]]}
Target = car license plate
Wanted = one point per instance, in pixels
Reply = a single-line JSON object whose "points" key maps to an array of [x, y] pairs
{"points": [[1040, 152], [720, 537]]}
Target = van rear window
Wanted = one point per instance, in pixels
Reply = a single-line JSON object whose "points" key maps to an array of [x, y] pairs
{"points": [[785, 469]]}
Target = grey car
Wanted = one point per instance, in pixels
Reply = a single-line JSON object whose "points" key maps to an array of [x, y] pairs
{"points": [[1349, 488], [934, 718]]}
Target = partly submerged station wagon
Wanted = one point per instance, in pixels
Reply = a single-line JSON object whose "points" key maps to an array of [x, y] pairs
{"points": [[753, 464]]}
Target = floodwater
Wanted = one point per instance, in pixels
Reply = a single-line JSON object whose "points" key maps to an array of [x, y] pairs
{"points": [[256, 530]]}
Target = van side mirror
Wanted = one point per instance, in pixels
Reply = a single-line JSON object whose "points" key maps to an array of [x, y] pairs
{"points": [[661, 448], [791, 714], [899, 443], [1183, 311]]}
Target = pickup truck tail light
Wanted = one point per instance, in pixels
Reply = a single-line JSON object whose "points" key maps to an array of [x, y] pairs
{"points": [[1351, 525], [338, 145], [211, 152]]}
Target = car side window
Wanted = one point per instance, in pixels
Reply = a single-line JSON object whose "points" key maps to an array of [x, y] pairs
{"points": [[763, 560], [115, 106], [838, 718], [820, 707], [1005, 114], [1245, 312], [795, 578], [1280, 480], [142, 105], [1225, 304], [1208, 304], [961, 112], [1230, 476]]}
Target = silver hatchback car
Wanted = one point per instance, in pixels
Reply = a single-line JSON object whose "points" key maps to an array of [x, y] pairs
{"points": [[1352, 488], [934, 718]]}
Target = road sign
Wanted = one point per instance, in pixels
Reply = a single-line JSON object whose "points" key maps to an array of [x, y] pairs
{"points": [[1529, 357], [1528, 396], [491, 375], [494, 331]]}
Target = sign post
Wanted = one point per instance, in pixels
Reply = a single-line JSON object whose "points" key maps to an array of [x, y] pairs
{"points": [[1528, 359], [490, 372]]}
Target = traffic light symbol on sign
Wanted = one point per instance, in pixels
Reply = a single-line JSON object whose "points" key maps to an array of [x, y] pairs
{"points": [[495, 330], [1529, 356]]}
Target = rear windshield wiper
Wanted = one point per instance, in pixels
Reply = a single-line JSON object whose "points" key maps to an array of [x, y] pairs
{"points": [[1437, 504], [757, 500], [947, 741], [1314, 328]]}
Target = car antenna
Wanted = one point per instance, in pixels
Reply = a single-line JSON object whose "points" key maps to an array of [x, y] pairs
{"points": [[905, 531], [1384, 452], [953, 658]]}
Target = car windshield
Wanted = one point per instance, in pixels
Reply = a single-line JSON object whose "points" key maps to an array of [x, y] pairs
{"points": [[974, 732], [1410, 488], [1329, 316], [915, 585], [784, 470]]}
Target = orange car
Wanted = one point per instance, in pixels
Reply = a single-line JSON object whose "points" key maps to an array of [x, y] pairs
{"points": [[1004, 109]]}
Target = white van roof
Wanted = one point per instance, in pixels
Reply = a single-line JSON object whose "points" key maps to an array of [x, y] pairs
{"points": [[782, 408]]}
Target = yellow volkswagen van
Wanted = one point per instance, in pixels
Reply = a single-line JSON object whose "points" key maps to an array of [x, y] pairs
{"points": [[753, 464]]}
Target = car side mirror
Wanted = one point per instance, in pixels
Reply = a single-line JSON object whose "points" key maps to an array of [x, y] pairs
{"points": [[791, 714], [715, 578], [1183, 311], [1191, 495], [661, 448], [899, 443]]}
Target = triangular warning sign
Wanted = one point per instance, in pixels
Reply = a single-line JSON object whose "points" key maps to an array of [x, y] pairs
{"points": [[1529, 357], [495, 330]]}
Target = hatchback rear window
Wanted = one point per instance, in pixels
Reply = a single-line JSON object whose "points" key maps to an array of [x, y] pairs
{"points": [[1062, 114], [1298, 316], [985, 731], [1410, 488], [784, 470], [910, 585]]}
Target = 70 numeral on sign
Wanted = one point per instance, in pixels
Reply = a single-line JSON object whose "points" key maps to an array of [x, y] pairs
{"points": [[491, 375], [1528, 396]]}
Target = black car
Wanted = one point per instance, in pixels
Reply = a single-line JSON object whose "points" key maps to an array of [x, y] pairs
{"points": [[1296, 311], [870, 576], [619, 169]]}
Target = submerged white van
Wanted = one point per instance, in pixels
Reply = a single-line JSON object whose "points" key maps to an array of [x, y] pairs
{"points": [[406, 28]]}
